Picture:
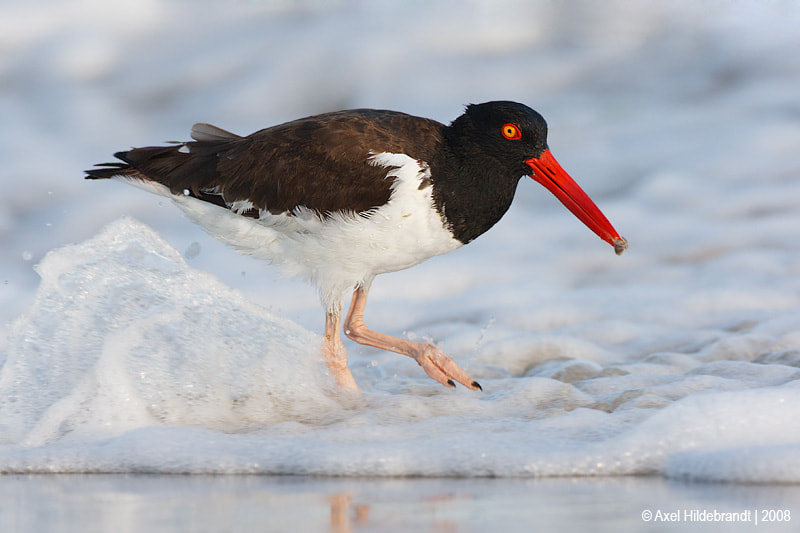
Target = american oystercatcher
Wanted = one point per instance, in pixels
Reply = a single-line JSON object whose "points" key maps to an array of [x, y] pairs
{"points": [[340, 197]]}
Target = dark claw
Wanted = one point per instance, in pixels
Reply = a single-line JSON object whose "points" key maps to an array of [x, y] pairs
{"points": [[477, 385], [451, 383]]}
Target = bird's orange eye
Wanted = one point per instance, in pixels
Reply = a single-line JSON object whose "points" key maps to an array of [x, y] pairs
{"points": [[511, 132]]}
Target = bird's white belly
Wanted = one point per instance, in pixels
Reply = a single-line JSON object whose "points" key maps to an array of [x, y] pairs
{"points": [[343, 249]]}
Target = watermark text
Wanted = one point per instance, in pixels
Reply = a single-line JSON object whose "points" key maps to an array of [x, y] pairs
{"points": [[752, 516]]}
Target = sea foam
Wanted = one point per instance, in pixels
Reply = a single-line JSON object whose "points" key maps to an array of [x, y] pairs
{"points": [[129, 360]]}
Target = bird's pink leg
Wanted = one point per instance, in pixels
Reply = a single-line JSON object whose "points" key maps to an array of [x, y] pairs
{"points": [[335, 352], [429, 357]]}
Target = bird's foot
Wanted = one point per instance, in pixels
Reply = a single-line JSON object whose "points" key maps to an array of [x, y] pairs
{"points": [[435, 363], [441, 368]]}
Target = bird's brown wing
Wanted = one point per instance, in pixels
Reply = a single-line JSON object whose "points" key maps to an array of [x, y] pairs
{"points": [[319, 162]]}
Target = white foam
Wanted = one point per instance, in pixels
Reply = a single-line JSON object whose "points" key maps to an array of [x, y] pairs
{"points": [[132, 361], [123, 335]]}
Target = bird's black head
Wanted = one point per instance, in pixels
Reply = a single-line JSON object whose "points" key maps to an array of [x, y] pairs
{"points": [[498, 142], [508, 132]]}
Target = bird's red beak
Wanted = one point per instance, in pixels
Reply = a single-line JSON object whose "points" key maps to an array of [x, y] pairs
{"points": [[549, 173]]}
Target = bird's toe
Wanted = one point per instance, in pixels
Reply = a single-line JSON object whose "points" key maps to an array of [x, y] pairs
{"points": [[443, 369]]}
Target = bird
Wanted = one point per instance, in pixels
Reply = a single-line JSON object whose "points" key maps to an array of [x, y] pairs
{"points": [[340, 197]]}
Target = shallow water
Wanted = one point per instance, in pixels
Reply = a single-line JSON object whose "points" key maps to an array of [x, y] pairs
{"points": [[156, 503]]}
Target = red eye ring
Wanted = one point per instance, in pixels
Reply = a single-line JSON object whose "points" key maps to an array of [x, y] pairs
{"points": [[511, 132]]}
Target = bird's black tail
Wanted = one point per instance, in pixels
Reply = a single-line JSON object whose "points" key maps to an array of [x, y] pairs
{"points": [[184, 171], [109, 170]]}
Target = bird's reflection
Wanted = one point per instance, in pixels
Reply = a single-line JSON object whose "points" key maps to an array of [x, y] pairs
{"points": [[348, 515]]}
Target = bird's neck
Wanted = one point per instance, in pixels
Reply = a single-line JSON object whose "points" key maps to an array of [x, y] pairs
{"points": [[471, 193]]}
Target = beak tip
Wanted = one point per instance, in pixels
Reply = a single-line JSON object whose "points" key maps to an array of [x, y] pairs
{"points": [[620, 245]]}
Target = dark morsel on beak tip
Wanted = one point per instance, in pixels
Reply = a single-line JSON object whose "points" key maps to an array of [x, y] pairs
{"points": [[620, 245]]}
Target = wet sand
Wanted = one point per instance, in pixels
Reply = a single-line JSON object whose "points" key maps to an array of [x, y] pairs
{"points": [[154, 503]]}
